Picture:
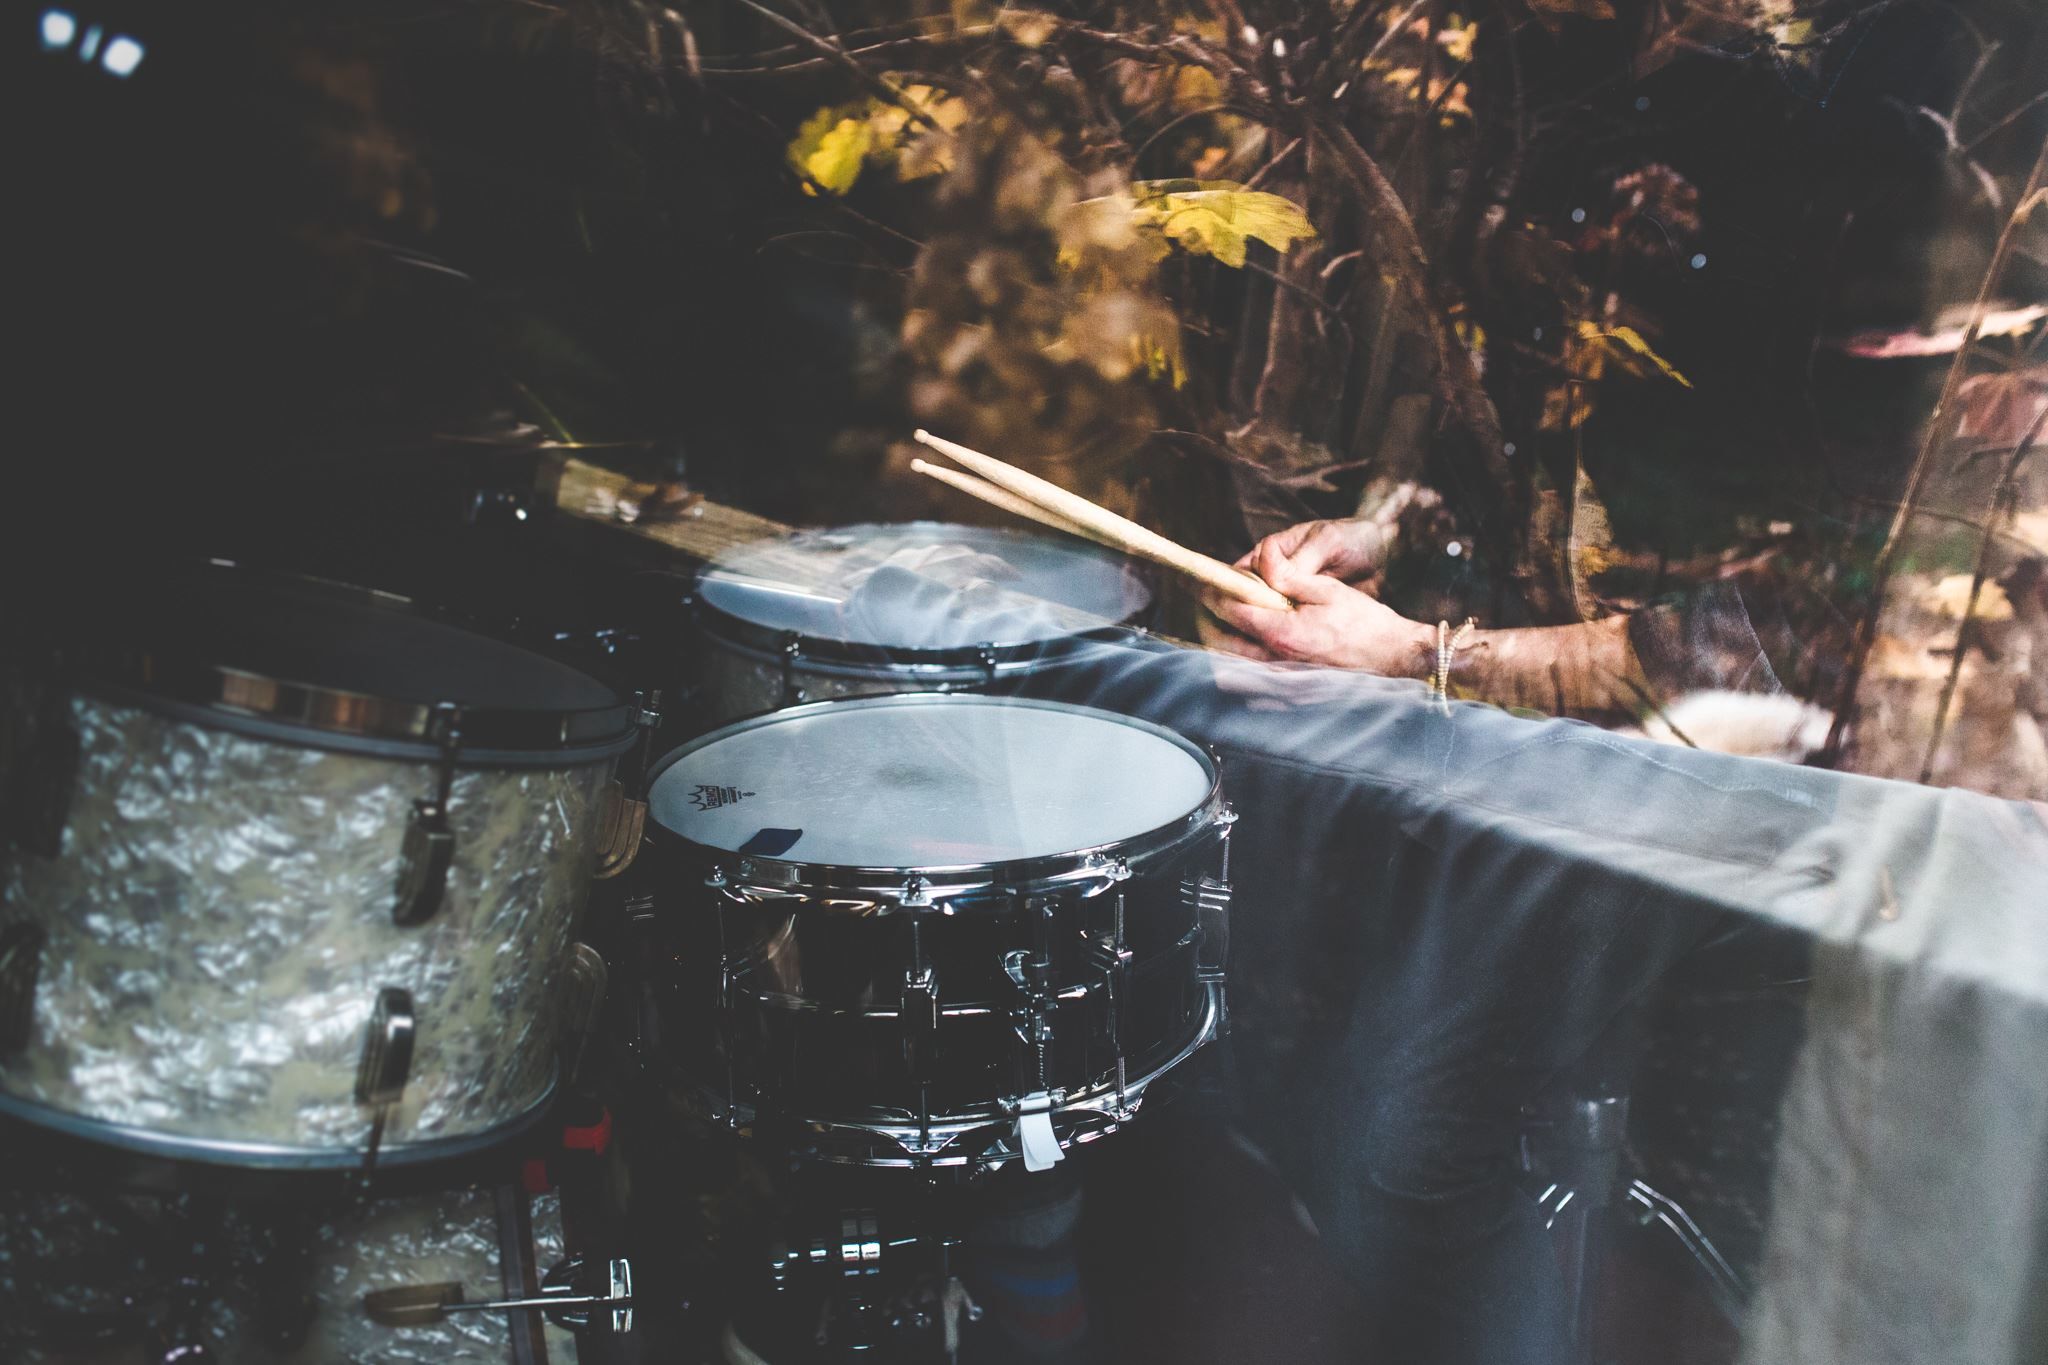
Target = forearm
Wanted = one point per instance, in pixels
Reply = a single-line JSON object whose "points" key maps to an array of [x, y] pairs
{"points": [[1576, 670]]}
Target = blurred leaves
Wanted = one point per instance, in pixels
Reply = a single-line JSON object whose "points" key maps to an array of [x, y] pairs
{"points": [[1552, 13], [1591, 353], [1999, 410], [1944, 338], [834, 144], [830, 147], [1215, 218]]}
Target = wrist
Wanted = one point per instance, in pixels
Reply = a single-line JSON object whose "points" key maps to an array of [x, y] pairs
{"points": [[1413, 654]]}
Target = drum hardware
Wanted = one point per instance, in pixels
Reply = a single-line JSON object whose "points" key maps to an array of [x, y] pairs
{"points": [[877, 1292], [1030, 973], [21, 963], [1209, 898], [728, 992], [583, 1006], [420, 1305], [1112, 956], [918, 1013], [516, 1272], [622, 820], [792, 650], [428, 850], [385, 1067]]}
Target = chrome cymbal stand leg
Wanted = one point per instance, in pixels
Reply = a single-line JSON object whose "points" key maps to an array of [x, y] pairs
{"points": [[518, 1274]]}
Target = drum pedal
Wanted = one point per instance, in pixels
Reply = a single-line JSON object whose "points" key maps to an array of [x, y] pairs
{"points": [[422, 1305]]}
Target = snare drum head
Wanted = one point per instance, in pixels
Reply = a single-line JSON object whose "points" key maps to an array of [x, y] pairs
{"points": [[801, 583], [930, 781]]}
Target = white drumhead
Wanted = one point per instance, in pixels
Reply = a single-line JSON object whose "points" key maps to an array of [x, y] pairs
{"points": [[928, 781], [801, 582]]}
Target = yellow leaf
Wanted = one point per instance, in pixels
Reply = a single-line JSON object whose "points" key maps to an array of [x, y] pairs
{"points": [[1566, 407], [1218, 217], [1627, 347], [1551, 13], [1457, 41], [1029, 27], [920, 151], [830, 146]]}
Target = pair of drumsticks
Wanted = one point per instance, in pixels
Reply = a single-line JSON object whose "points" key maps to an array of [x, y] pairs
{"points": [[1010, 488]]}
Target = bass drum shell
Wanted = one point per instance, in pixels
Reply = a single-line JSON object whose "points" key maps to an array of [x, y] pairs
{"points": [[85, 1278], [218, 926]]}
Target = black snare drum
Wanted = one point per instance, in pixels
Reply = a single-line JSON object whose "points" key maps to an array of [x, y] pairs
{"points": [[956, 929]]}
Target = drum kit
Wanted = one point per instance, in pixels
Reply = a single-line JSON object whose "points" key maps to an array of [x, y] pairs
{"points": [[301, 1028]]}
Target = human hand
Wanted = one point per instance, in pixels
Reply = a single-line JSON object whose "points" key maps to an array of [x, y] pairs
{"points": [[1349, 550], [1332, 624]]}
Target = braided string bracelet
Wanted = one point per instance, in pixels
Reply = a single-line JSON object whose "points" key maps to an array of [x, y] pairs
{"points": [[1447, 646]]}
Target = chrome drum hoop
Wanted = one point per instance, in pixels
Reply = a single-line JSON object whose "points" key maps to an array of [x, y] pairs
{"points": [[189, 683], [758, 657], [1093, 1114], [751, 879]]}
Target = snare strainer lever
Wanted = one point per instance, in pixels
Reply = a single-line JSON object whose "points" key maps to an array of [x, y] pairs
{"points": [[419, 1305]]}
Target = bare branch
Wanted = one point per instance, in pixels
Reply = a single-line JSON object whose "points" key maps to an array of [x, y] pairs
{"points": [[837, 54], [1938, 426]]}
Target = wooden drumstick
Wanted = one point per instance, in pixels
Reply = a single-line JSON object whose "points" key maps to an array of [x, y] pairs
{"points": [[1118, 532], [1007, 501]]}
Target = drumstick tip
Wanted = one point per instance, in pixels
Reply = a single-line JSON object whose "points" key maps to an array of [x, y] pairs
{"points": [[921, 436], [918, 466]]}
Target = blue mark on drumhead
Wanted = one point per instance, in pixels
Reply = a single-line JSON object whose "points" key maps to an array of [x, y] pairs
{"points": [[771, 843]]}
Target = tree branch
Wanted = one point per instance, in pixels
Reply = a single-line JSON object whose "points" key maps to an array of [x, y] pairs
{"points": [[1937, 428], [1389, 221]]}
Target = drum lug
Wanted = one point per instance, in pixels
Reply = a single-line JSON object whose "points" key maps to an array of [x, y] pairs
{"points": [[620, 824], [918, 1014], [1112, 956], [428, 852], [792, 654], [622, 819], [386, 1064], [1209, 898], [1030, 971], [21, 964], [985, 655]]}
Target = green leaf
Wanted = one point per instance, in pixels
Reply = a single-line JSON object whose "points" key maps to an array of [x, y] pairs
{"points": [[830, 146], [1218, 217]]}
